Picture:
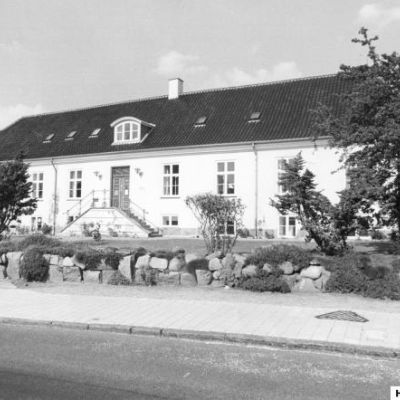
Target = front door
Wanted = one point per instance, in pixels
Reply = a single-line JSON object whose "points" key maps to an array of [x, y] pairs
{"points": [[120, 188]]}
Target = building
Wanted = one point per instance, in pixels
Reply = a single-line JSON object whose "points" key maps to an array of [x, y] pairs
{"points": [[129, 166]]}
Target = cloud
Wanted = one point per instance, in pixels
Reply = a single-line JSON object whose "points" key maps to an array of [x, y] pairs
{"points": [[12, 48], [377, 15], [236, 76], [175, 63], [10, 114]]}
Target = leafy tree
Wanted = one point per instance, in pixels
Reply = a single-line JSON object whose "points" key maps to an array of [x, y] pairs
{"points": [[15, 191], [214, 213], [326, 224], [367, 131]]}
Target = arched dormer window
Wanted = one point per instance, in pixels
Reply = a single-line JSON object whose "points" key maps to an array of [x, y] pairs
{"points": [[127, 130]]}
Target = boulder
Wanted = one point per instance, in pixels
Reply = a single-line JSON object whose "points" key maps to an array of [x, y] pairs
{"points": [[169, 279], [13, 264], [143, 262], [56, 273], [188, 279], [191, 256], [320, 283], [159, 263], [214, 264], [217, 283], [296, 268], [203, 277], [125, 267], [67, 262], [216, 274], [267, 268], [312, 272], [106, 275], [47, 257], [250, 271], [91, 276], [140, 277], [286, 267], [305, 285], [72, 274], [54, 259], [290, 280], [228, 261], [237, 271], [239, 259], [176, 264]]}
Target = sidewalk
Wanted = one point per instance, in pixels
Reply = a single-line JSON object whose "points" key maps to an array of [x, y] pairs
{"points": [[252, 323]]}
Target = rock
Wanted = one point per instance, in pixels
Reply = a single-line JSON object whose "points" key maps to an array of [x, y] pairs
{"points": [[158, 263], [210, 256], [312, 272], [56, 273], [217, 283], [290, 280], [77, 263], [106, 275], [315, 262], [47, 257], [216, 274], [296, 268], [237, 271], [72, 274], [320, 283], [191, 256], [13, 264], [139, 277], [143, 262], [267, 268], [188, 279], [214, 264], [239, 259], [67, 262], [125, 267], [286, 267], [228, 261], [250, 271], [169, 279], [176, 264], [203, 277], [91, 276], [54, 259], [305, 285]]}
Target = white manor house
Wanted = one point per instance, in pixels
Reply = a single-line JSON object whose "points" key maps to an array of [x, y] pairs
{"points": [[129, 166]]}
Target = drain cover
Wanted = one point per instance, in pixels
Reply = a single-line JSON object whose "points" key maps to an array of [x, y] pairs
{"points": [[343, 316]]}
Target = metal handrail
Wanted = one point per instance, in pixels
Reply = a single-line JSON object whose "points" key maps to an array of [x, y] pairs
{"points": [[143, 213]]}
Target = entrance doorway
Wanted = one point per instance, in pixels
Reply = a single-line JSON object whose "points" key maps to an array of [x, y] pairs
{"points": [[120, 188]]}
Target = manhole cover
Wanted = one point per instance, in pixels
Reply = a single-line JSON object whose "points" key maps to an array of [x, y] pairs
{"points": [[343, 316]]}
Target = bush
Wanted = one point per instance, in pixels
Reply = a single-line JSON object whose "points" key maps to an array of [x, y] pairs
{"points": [[46, 229], [38, 239], [276, 255], [90, 257], [166, 254], [118, 279], [355, 274], [265, 283], [7, 246], [377, 235], [112, 258], [33, 266]]}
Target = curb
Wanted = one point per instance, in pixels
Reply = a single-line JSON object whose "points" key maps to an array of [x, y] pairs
{"points": [[234, 338]]}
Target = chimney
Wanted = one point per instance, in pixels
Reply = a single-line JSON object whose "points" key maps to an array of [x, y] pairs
{"points": [[175, 88]]}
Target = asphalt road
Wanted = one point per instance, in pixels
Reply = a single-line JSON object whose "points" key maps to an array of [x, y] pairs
{"points": [[53, 363]]}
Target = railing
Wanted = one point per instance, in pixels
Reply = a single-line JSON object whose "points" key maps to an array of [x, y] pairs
{"points": [[141, 213]]}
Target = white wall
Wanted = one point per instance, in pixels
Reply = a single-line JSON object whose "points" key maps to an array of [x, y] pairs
{"points": [[197, 174]]}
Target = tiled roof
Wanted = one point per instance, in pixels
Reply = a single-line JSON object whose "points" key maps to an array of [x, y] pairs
{"points": [[284, 106]]}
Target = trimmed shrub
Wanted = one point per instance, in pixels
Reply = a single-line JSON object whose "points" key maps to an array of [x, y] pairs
{"points": [[265, 283], [90, 257], [276, 255], [33, 266], [112, 258], [38, 239], [118, 279]]}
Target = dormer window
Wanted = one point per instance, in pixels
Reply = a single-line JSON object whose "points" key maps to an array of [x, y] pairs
{"points": [[126, 130], [48, 138], [95, 133], [255, 116], [201, 121], [70, 135]]}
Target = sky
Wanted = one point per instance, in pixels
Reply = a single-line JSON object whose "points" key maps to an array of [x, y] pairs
{"points": [[66, 54]]}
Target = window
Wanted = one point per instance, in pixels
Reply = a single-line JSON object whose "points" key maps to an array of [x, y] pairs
{"points": [[70, 135], [226, 177], [281, 170], [127, 132], [255, 117], [37, 185], [171, 180], [95, 133], [36, 224], [170, 220], [227, 228], [287, 226], [201, 121], [48, 138], [75, 184]]}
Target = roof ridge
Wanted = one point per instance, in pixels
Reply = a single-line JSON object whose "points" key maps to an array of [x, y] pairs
{"points": [[166, 96]]}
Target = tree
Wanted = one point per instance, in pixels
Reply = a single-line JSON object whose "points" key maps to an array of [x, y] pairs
{"points": [[367, 131], [15, 191], [215, 213], [326, 224]]}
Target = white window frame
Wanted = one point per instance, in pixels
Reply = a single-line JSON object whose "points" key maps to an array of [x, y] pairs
{"points": [[170, 219], [290, 230], [171, 180], [281, 171], [73, 184], [225, 175], [127, 130], [37, 185]]}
